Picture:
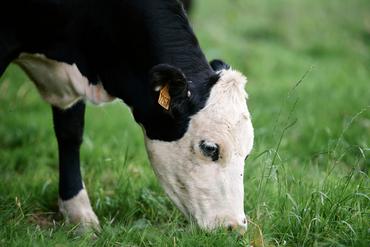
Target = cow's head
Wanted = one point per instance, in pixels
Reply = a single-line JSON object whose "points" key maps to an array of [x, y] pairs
{"points": [[202, 172]]}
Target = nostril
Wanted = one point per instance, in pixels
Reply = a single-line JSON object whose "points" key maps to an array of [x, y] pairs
{"points": [[230, 227], [240, 228]]}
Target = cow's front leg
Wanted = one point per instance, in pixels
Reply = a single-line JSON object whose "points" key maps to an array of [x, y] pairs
{"points": [[74, 202]]}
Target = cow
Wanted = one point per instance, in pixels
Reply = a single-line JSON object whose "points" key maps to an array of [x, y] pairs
{"points": [[194, 115]]}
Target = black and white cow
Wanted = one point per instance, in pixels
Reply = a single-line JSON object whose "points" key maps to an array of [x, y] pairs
{"points": [[197, 127]]}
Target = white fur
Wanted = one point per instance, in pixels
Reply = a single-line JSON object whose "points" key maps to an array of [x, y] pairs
{"points": [[211, 192], [60, 84], [78, 210]]}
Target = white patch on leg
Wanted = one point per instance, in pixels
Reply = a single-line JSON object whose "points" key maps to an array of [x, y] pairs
{"points": [[78, 210], [61, 84]]}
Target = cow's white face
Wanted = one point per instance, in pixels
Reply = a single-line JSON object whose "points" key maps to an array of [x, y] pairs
{"points": [[203, 171]]}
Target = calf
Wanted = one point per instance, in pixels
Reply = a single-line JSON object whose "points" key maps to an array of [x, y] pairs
{"points": [[194, 115]]}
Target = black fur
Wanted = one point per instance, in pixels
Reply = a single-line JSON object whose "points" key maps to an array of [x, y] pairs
{"points": [[218, 65], [166, 75], [117, 42], [68, 127]]}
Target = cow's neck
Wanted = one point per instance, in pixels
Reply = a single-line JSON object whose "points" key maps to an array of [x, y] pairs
{"points": [[173, 42]]}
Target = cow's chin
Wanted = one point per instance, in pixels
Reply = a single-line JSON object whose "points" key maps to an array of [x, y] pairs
{"points": [[210, 194]]}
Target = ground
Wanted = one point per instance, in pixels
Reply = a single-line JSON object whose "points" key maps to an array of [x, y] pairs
{"points": [[306, 181]]}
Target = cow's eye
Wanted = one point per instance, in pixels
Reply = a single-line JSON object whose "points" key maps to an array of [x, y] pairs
{"points": [[210, 149], [246, 157]]}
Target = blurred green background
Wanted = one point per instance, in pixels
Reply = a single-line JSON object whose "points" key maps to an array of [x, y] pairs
{"points": [[306, 181]]}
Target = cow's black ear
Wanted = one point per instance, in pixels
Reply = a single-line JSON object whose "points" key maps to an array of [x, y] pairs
{"points": [[218, 65], [169, 81]]}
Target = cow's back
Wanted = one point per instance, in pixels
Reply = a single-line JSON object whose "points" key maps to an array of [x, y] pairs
{"points": [[29, 26]]}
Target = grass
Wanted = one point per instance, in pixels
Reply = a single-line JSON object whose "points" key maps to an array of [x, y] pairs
{"points": [[306, 181]]}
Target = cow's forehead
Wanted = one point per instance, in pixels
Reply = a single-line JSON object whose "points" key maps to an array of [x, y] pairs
{"points": [[227, 101], [225, 119]]}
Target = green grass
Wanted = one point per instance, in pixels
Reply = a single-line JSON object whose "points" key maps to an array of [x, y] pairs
{"points": [[306, 181]]}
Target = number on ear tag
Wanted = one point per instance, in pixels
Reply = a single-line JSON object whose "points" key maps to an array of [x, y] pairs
{"points": [[164, 97]]}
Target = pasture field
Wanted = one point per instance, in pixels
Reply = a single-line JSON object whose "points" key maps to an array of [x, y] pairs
{"points": [[306, 181]]}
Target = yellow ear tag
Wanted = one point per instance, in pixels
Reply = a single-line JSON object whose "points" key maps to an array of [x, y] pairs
{"points": [[164, 97]]}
